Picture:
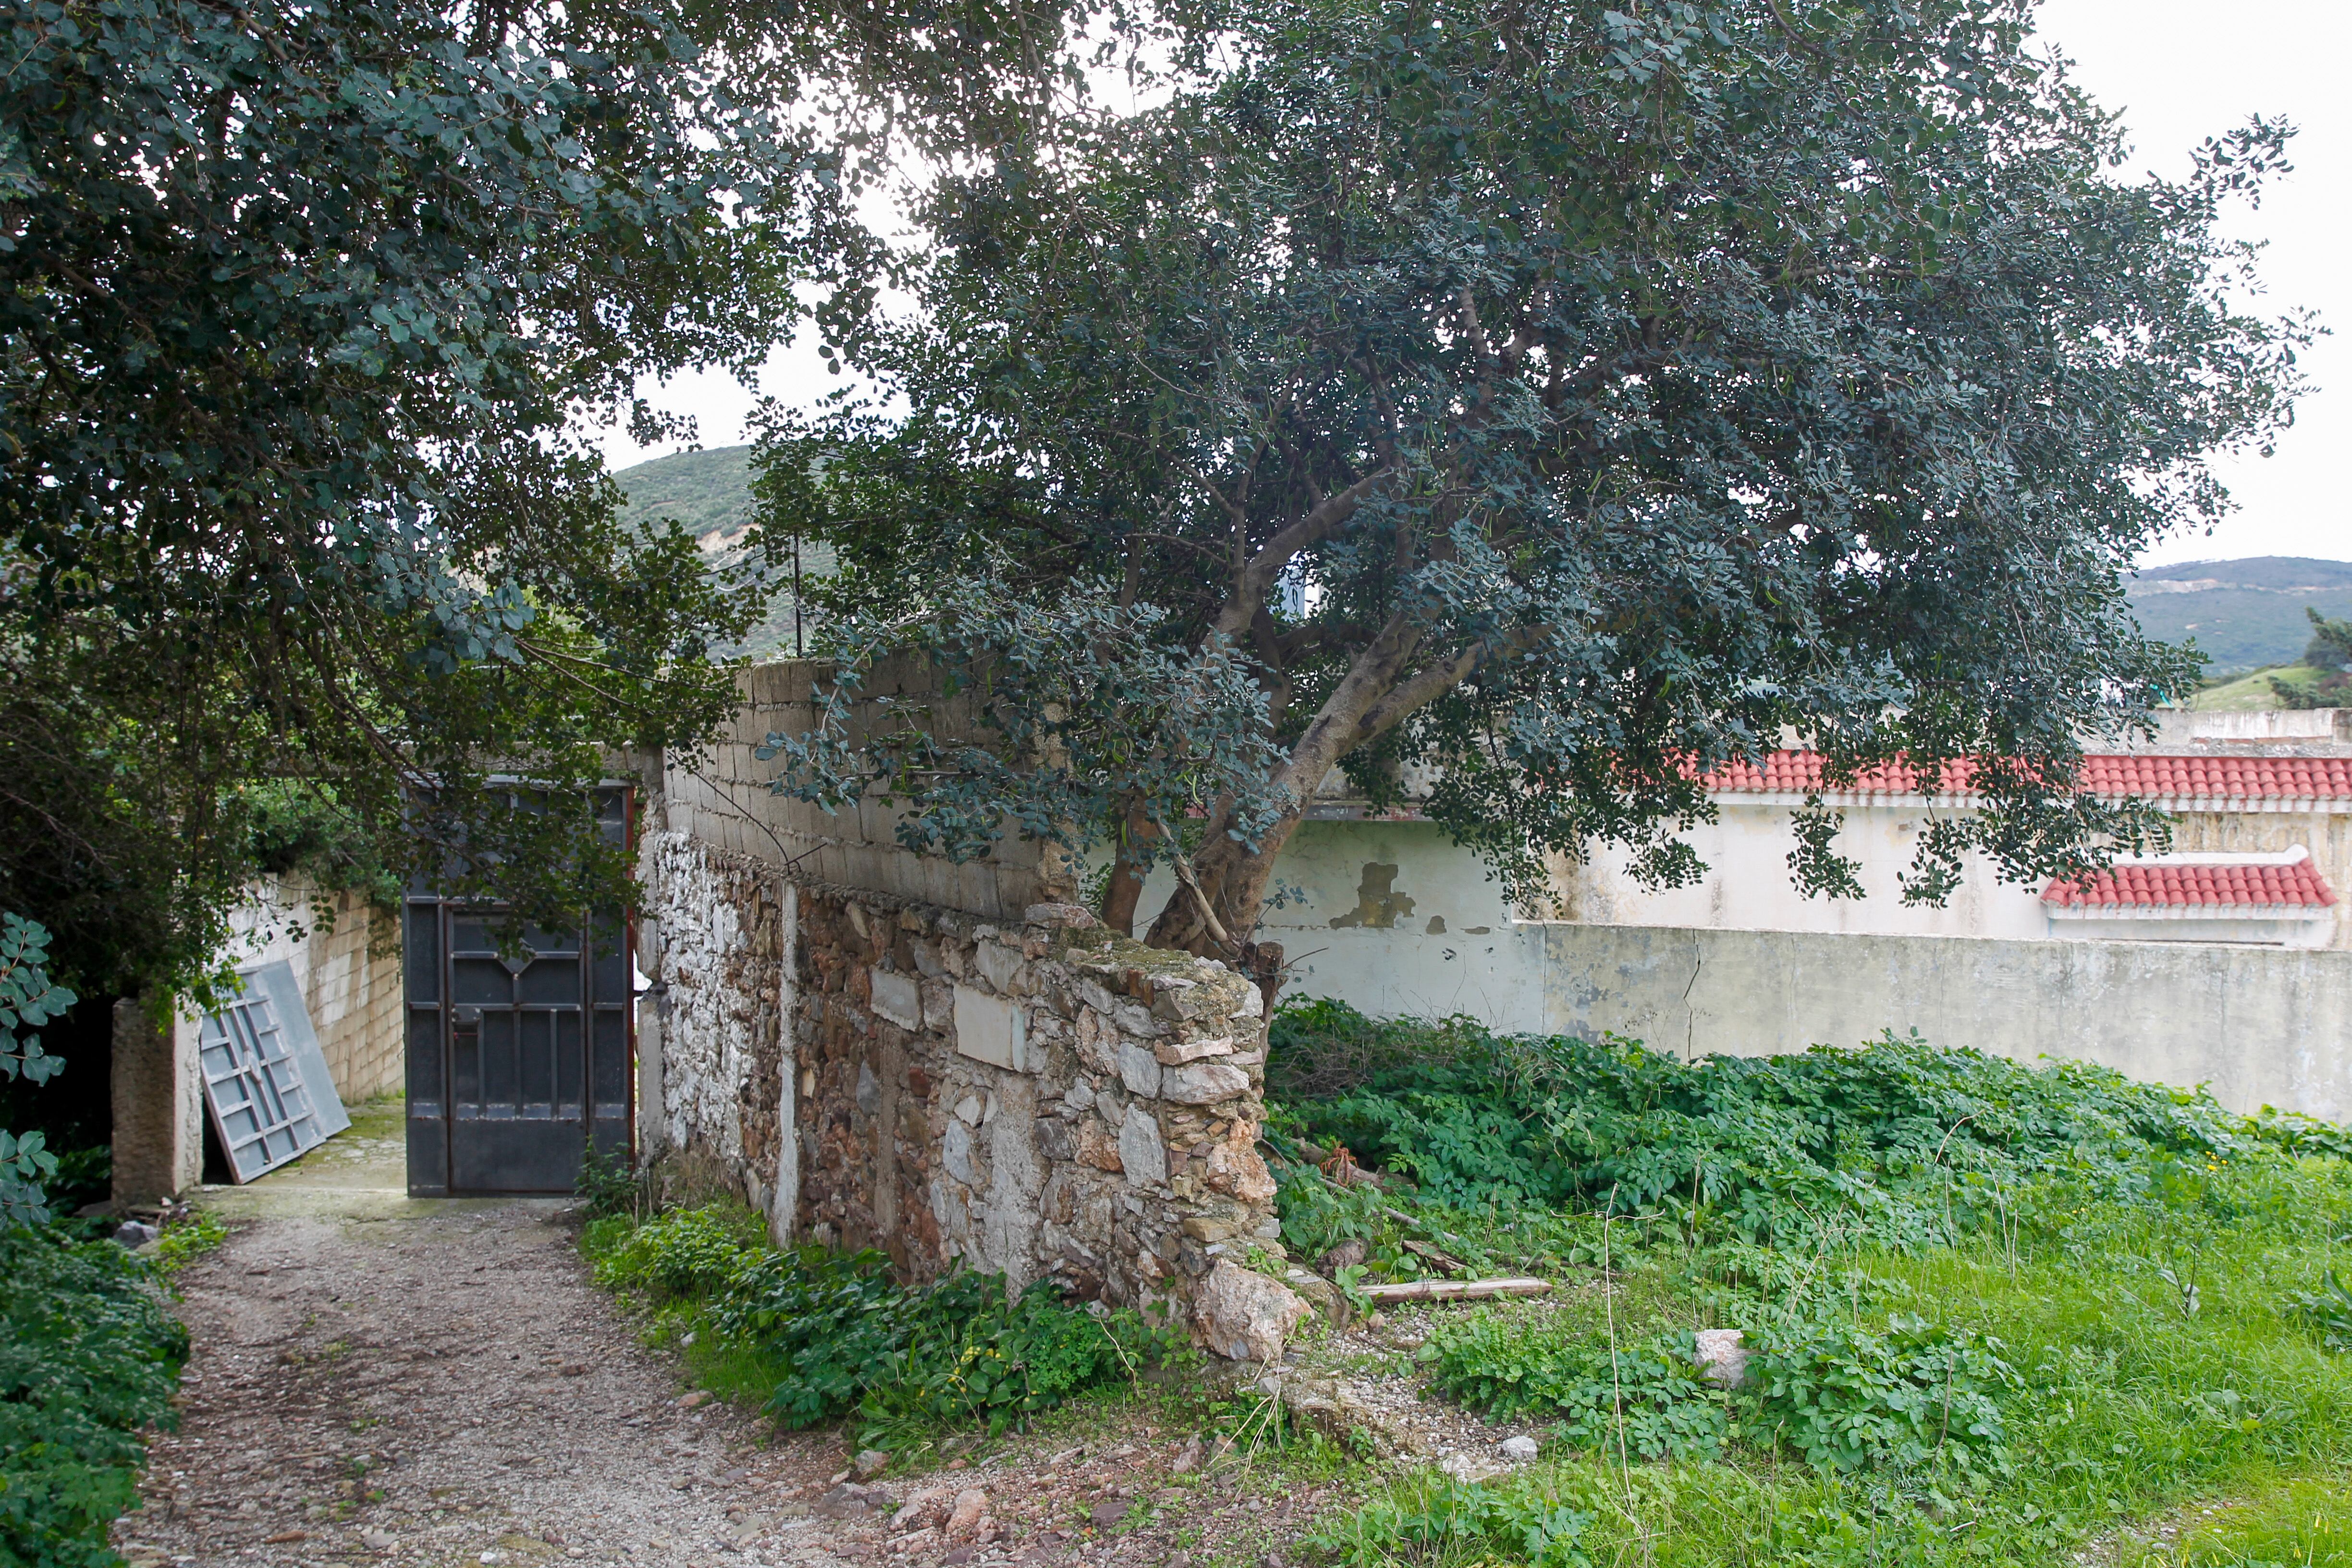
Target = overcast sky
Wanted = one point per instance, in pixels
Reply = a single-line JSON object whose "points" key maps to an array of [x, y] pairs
{"points": [[2179, 70]]}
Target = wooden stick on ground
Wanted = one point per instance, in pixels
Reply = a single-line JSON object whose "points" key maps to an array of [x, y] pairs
{"points": [[1455, 1290]]}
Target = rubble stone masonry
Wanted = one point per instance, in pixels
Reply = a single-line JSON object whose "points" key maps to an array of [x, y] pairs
{"points": [[1041, 1098]]}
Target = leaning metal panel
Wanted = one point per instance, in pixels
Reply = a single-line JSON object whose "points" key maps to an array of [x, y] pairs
{"points": [[260, 1107]]}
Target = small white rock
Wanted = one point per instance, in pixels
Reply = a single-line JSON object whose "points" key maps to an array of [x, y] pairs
{"points": [[1722, 1356], [1518, 1450]]}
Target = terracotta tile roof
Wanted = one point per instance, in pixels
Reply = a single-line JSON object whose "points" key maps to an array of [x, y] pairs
{"points": [[1800, 773], [2248, 779], [2163, 886]]}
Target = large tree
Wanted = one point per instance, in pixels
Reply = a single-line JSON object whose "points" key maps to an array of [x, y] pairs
{"points": [[303, 309], [1565, 398]]}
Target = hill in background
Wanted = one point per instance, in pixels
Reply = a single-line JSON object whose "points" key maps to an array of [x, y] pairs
{"points": [[2243, 615], [709, 493]]}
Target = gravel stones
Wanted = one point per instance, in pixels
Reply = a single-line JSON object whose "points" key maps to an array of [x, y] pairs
{"points": [[965, 1519]]}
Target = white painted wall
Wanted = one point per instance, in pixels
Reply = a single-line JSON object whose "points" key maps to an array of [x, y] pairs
{"points": [[1746, 884], [1393, 919]]}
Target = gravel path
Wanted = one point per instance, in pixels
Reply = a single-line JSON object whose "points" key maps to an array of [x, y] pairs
{"points": [[443, 1383]]}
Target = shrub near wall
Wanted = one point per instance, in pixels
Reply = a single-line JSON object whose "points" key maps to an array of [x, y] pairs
{"points": [[89, 1356]]}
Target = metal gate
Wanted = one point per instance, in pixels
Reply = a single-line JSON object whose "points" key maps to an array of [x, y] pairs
{"points": [[260, 1107], [515, 1059]]}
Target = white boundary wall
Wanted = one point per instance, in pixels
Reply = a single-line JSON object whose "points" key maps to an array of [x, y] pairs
{"points": [[2260, 1025]]}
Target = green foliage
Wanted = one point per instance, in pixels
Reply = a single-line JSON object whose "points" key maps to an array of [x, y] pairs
{"points": [[292, 399], [1434, 1516], [1905, 1142], [2301, 1523], [2117, 1314], [1907, 1398], [684, 1254], [2330, 684], [293, 488], [1645, 1394], [844, 1337], [182, 1244], [88, 1357], [2327, 1310], [1080, 680], [610, 1184], [27, 1000], [298, 830], [1547, 463]]}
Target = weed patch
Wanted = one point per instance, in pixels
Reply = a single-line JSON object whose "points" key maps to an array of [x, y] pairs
{"points": [[89, 1356], [824, 1334], [1989, 1310]]}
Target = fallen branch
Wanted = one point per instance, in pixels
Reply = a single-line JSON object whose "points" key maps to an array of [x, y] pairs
{"points": [[1455, 1290]]}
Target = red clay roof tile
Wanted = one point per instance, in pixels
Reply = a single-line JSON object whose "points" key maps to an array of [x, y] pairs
{"points": [[2151, 777], [2175, 886]]}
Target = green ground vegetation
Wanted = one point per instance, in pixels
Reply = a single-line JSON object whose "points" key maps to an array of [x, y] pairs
{"points": [[89, 1356], [813, 1335], [1996, 1313], [2249, 693]]}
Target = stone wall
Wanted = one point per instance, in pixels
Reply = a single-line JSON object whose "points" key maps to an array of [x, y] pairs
{"points": [[1032, 1096], [714, 940]]}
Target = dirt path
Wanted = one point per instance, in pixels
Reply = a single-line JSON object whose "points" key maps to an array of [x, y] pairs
{"points": [[441, 1384]]}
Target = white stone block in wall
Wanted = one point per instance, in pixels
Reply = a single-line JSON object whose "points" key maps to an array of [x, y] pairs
{"points": [[955, 1154], [1139, 1070], [1140, 1151], [1205, 1083], [990, 1029], [997, 964], [898, 998]]}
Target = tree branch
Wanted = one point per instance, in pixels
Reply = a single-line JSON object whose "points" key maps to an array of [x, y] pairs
{"points": [[1328, 516]]}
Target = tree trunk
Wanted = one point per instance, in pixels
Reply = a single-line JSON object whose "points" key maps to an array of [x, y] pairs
{"points": [[1220, 895], [1125, 888], [1231, 881]]}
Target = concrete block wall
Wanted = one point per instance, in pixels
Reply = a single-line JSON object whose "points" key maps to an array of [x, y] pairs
{"points": [[1034, 1097], [349, 968], [2261, 1025], [722, 799]]}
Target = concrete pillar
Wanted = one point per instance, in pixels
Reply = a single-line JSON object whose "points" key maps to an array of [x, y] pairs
{"points": [[158, 1093], [783, 1214]]}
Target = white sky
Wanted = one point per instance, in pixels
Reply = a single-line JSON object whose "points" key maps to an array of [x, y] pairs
{"points": [[2180, 70]]}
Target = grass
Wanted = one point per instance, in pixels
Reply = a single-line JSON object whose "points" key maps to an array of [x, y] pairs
{"points": [[2129, 1305], [2296, 1525], [2249, 693], [1998, 1315]]}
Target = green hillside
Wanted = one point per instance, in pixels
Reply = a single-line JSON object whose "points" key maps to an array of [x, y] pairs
{"points": [[711, 493], [2243, 615]]}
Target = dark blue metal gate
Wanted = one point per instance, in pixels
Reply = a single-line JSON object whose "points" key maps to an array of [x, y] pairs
{"points": [[515, 1059]]}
